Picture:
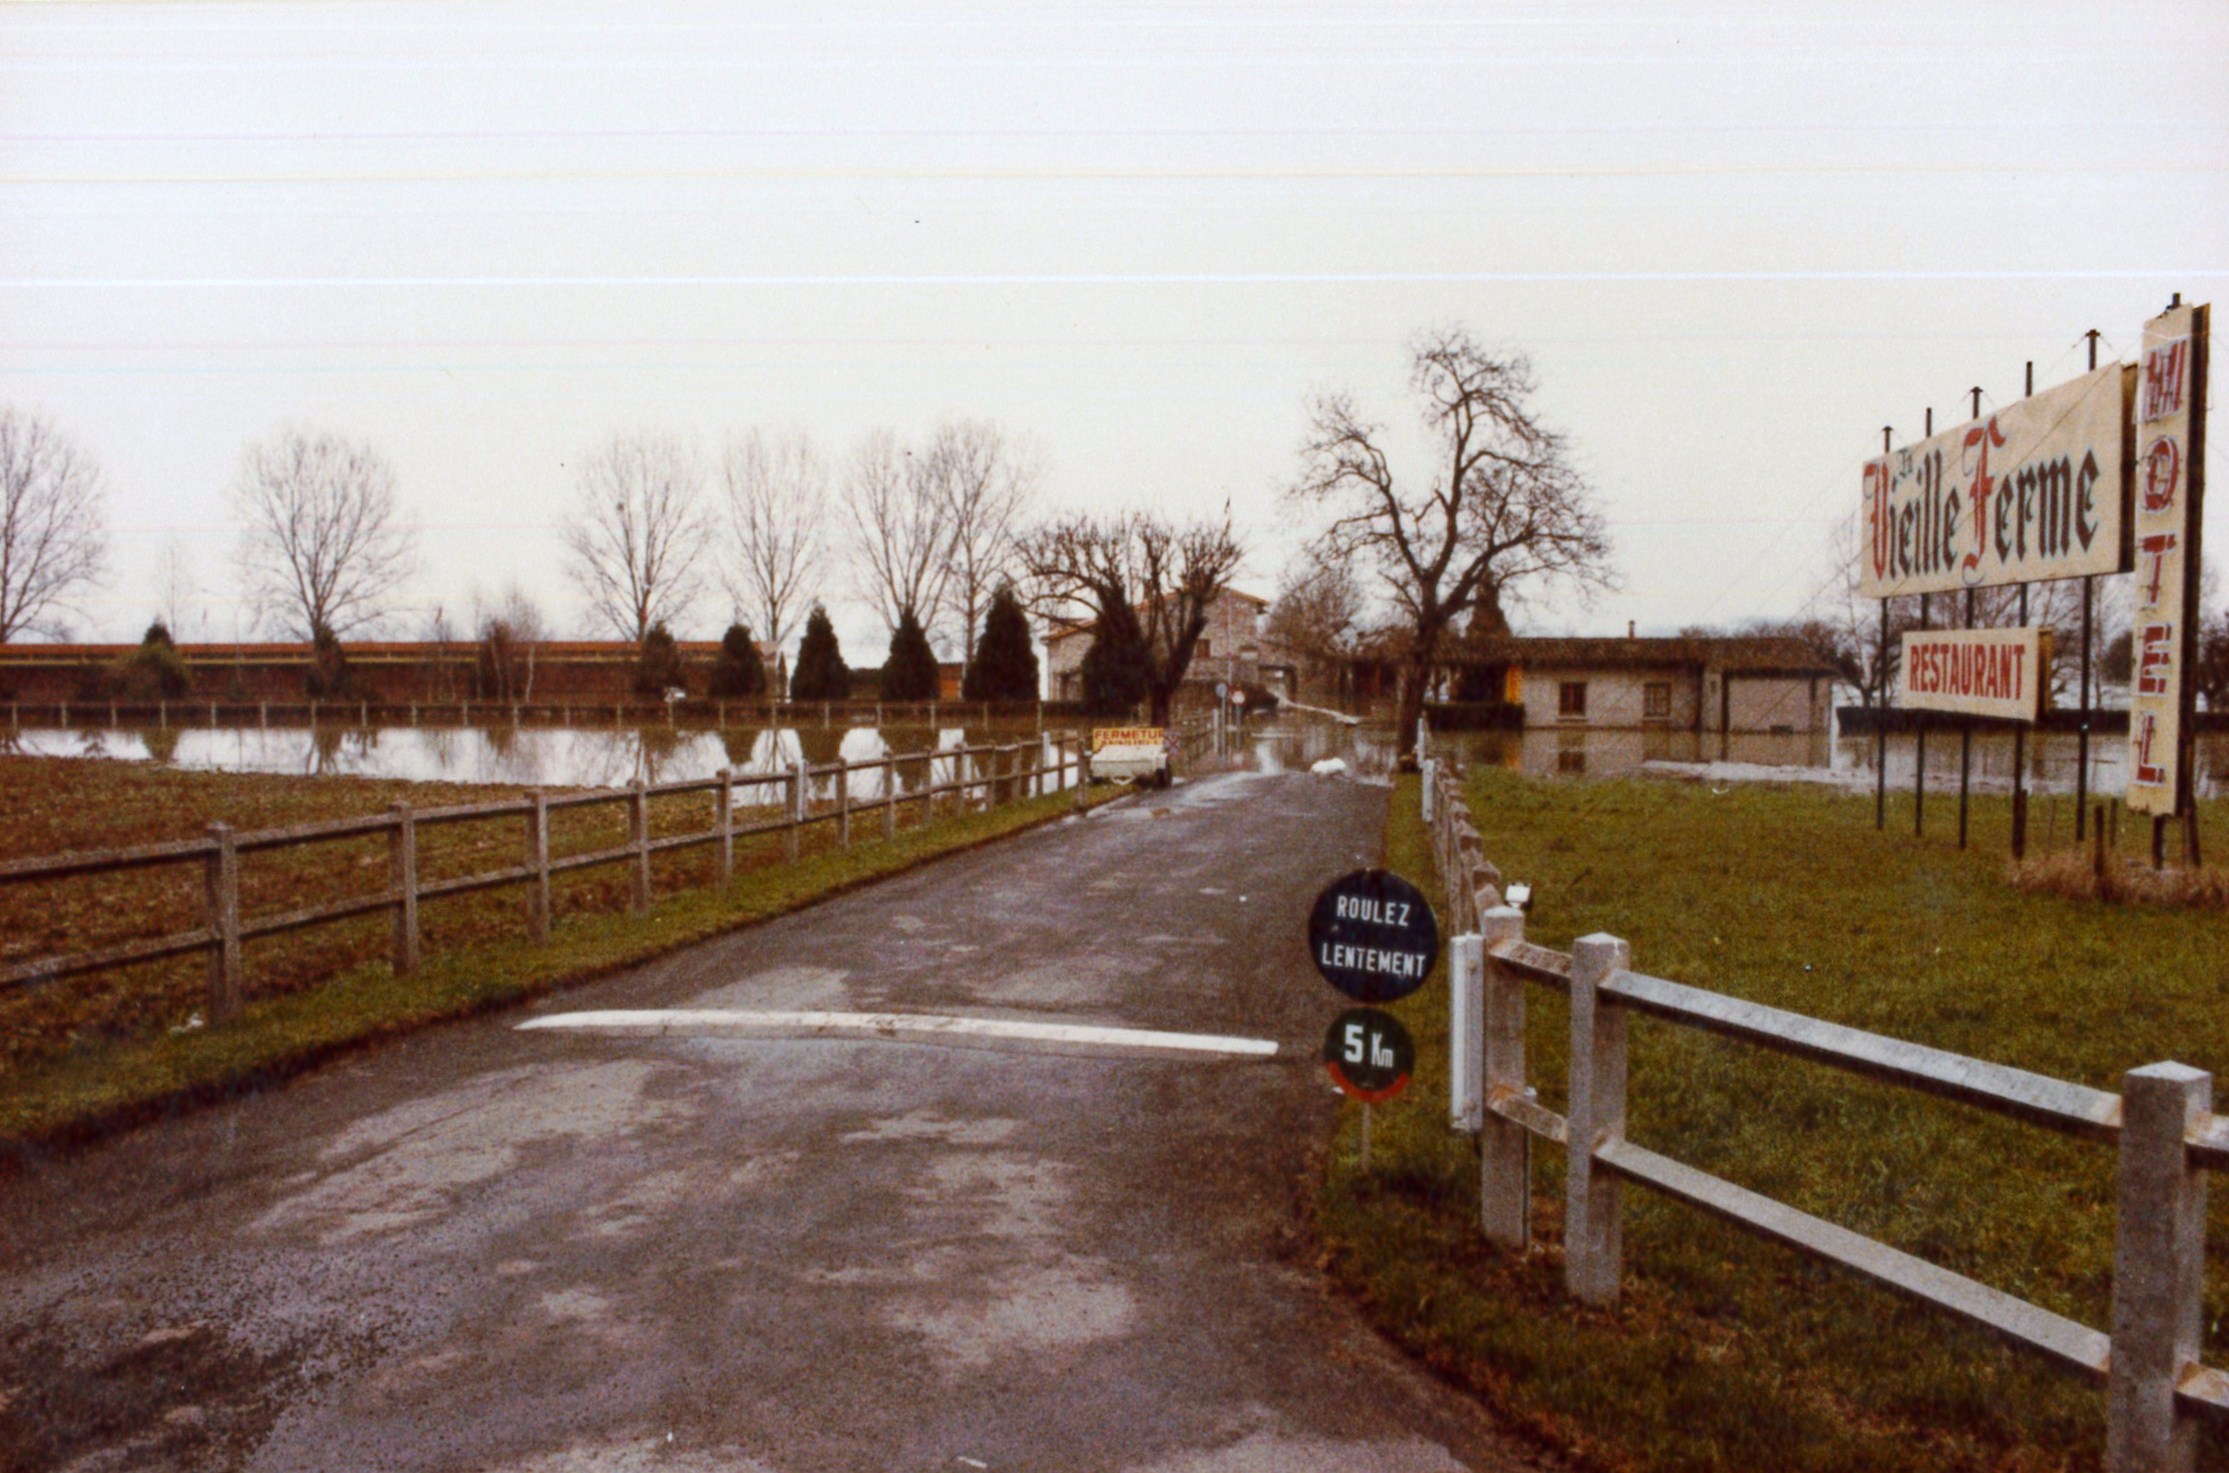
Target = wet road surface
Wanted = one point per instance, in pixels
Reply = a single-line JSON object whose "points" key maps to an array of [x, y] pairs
{"points": [[492, 1249]]}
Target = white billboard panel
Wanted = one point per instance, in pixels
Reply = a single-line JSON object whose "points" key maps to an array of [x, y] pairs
{"points": [[2037, 490], [1976, 672], [2169, 484]]}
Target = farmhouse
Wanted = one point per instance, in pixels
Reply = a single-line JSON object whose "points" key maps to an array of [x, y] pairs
{"points": [[1233, 648], [1732, 684]]}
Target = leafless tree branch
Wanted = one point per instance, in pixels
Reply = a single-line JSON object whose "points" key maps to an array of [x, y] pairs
{"points": [[636, 538], [777, 500], [53, 525], [321, 543]]}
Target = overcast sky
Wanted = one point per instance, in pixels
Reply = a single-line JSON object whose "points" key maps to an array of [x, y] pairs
{"points": [[1734, 240]]}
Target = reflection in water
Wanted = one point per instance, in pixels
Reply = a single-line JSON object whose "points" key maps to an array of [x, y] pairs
{"points": [[539, 756], [615, 757]]}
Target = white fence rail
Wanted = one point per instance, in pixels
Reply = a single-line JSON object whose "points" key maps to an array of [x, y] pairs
{"points": [[2162, 1124]]}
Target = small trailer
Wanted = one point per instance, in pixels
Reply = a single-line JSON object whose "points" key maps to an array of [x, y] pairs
{"points": [[1137, 754]]}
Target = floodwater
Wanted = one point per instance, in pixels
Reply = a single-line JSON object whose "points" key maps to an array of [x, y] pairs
{"points": [[564, 757], [529, 756]]}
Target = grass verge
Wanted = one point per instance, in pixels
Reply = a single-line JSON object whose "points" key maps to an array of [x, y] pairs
{"points": [[94, 1089], [1726, 1352]]}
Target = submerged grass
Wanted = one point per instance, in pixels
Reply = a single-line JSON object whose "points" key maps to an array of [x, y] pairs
{"points": [[130, 1054], [1726, 1352]]}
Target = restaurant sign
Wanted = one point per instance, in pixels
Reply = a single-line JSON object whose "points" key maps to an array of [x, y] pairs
{"points": [[1976, 672], [2037, 490]]}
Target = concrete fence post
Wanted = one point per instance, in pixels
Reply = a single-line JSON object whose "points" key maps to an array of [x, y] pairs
{"points": [[402, 875], [1426, 767], [2159, 1262], [843, 805], [1504, 1147], [1466, 1101], [223, 898], [638, 840], [538, 859], [1594, 1200], [794, 803], [890, 796], [1083, 774], [723, 816]]}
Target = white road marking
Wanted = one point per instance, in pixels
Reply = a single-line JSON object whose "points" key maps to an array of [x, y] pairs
{"points": [[909, 1027]]}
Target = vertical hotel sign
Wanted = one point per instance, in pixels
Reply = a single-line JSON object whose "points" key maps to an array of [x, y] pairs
{"points": [[2170, 441]]}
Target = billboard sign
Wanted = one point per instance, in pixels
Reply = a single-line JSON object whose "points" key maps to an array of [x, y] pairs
{"points": [[2170, 408], [2037, 490], [1976, 672]]}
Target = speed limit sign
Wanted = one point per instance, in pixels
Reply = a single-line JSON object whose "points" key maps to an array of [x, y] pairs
{"points": [[1370, 1055]]}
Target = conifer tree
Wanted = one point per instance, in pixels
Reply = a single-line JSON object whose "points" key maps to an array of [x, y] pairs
{"points": [[821, 674], [911, 674], [1116, 677], [659, 668], [1005, 664], [738, 674]]}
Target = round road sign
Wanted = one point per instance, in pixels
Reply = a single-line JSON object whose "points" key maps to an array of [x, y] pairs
{"points": [[1238, 697], [1369, 1054], [1373, 936], [1222, 690]]}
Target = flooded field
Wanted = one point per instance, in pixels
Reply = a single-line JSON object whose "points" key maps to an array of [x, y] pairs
{"points": [[592, 756], [557, 757]]}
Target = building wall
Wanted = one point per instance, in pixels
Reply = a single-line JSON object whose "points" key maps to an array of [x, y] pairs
{"points": [[1797, 703], [1615, 698]]}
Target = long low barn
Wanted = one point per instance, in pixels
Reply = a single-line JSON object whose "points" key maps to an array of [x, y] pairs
{"points": [[1730, 684]]}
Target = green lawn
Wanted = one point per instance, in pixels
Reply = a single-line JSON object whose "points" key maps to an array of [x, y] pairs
{"points": [[1726, 1352]]}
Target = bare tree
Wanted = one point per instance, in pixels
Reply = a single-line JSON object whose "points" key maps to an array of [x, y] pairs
{"points": [[1504, 509], [901, 531], [511, 632], [53, 525], [177, 590], [1318, 616], [321, 544], [777, 499], [636, 537], [985, 485], [1143, 582]]}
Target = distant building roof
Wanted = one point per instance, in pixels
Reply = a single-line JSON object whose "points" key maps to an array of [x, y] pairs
{"points": [[1752, 654]]}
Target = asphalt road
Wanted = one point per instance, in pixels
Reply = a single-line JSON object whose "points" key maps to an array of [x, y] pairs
{"points": [[488, 1249]]}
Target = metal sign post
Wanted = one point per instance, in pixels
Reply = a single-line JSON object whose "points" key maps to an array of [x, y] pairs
{"points": [[1373, 936]]}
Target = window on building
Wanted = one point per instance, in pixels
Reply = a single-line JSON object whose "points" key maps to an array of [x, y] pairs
{"points": [[1656, 701], [1571, 698]]}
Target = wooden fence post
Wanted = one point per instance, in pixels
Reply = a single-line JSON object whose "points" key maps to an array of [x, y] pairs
{"points": [[1594, 1200], [723, 814], [2159, 1264], [223, 890], [794, 802], [402, 875], [1504, 1146], [843, 804], [890, 796], [538, 859], [1466, 1095], [638, 839]]}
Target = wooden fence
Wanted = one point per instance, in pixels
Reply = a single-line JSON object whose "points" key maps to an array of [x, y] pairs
{"points": [[998, 773], [2162, 1124]]}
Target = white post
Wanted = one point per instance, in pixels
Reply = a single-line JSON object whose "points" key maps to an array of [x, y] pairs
{"points": [[724, 815], [638, 839], [1594, 1200], [796, 804], [538, 859], [1466, 1102], [890, 796], [1504, 1146], [2159, 1267], [402, 874]]}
